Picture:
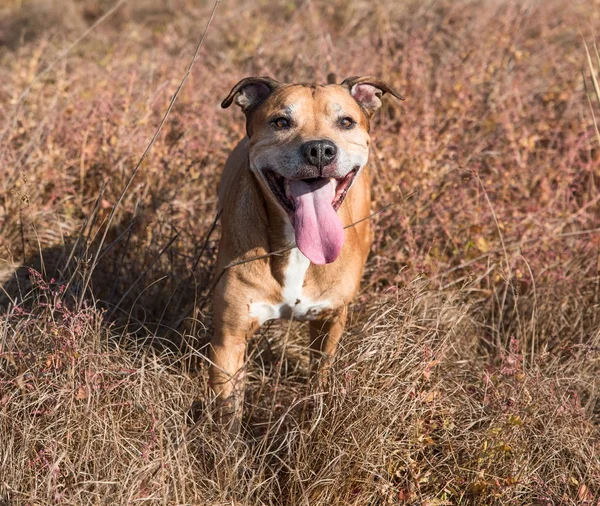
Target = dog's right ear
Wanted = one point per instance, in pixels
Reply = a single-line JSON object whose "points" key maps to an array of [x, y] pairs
{"points": [[250, 92], [367, 91]]}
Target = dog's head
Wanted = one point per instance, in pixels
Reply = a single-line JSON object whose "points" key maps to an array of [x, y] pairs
{"points": [[307, 145]]}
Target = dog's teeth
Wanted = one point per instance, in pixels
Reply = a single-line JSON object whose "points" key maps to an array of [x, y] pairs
{"points": [[286, 186]]}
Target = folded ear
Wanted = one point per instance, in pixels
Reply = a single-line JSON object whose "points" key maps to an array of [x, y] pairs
{"points": [[368, 90], [250, 92]]}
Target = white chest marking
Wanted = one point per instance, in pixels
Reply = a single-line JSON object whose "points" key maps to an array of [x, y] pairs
{"points": [[294, 304]]}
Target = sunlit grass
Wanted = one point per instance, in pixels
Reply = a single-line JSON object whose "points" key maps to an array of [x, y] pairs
{"points": [[469, 372]]}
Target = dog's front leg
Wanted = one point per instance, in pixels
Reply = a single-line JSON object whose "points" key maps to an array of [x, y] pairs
{"points": [[325, 334], [227, 365]]}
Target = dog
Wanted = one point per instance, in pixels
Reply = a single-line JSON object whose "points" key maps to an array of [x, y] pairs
{"points": [[294, 199]]}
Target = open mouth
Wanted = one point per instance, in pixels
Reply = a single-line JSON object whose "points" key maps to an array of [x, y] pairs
{"points": [[312, 206], [280, 187]]}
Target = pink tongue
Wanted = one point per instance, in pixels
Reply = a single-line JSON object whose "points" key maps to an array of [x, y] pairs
{"points": [[319, 231]]}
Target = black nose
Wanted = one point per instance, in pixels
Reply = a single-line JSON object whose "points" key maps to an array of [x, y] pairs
{"points": [[319, 153]]}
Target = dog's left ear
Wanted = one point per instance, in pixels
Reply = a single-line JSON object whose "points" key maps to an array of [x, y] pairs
{"points": [[368, 90], [250, 92]]}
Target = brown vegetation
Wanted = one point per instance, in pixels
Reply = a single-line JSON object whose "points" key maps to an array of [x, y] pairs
{"points": [[469, 374]]}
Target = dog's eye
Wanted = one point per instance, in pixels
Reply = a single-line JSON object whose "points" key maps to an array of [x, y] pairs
{"points": [[281, 123], [347, 123]]}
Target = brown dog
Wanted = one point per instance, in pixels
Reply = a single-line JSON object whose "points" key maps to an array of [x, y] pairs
{"points": [[299, 180]]}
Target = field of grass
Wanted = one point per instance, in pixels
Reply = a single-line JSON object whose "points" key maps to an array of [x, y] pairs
{"points": [[469, 373]]}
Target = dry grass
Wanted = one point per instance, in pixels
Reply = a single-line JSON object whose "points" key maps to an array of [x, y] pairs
{"points": [[469, 374]]}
